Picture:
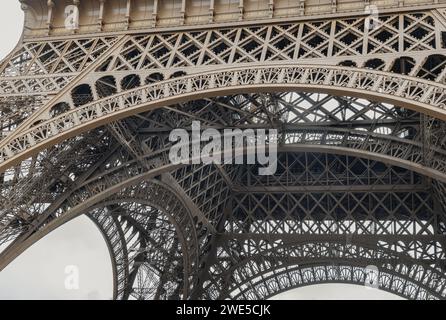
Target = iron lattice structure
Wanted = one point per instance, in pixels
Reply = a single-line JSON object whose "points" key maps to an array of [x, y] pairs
{"points": [[358, 99]]}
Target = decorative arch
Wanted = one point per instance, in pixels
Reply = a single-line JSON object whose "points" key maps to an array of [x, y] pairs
{"points": [[164, 201], [432, 67], [59, 108], [81, 95], [132, 188], [131, 173], [130, 81], [403, 65], [305, 275], [106, 86], [260, 275], [407, 92], [66, 68], [178, 74], [339, 262], [375, 64], [154, 78], [348, 63]]}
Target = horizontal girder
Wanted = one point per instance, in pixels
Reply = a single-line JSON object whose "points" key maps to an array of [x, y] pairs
{"points": [[48, 18]]}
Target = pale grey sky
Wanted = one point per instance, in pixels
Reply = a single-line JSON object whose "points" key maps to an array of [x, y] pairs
{"points": [[39, 273]]}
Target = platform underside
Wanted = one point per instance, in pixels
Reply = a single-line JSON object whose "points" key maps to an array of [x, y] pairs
{"points": [[358, 113]]}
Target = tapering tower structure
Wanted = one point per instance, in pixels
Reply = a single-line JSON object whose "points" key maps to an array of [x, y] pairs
{"points": [[355, 89]]}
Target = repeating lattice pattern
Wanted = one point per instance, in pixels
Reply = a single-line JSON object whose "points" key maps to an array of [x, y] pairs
{"points": [[361, 165]]}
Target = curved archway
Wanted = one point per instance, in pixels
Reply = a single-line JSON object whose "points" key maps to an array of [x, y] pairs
{"points": [[403, 65], [432, 67], [134, 54], [106, 86], [276, 284], [178, 74], [348, 63], [411, 93], [131, 81], [154, 78], [164, 167], [163, 211], [375, 64], [132, 186], [260, 276], [59, 109], [130, 174], [267, 272], [81, 95], [76, 248], [335, 291], [154, 235]]}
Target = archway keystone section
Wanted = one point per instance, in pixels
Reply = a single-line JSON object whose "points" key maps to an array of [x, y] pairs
{"points": [[407, 92]]}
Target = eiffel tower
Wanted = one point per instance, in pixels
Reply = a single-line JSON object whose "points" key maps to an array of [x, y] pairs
{"points": [[355, 89]]}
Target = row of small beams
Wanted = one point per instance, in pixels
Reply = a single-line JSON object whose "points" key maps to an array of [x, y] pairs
{"points": [[300, 4], [51, 4]]}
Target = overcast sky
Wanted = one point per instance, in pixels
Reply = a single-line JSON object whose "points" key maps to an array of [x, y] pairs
{"points": [[39, 273]]}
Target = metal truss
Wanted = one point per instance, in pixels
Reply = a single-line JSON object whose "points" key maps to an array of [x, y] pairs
{"points": [[154, 250], [262, 270], [361, 180], [286, 278], [306, 41], [135, 15], [419, 95], [404, 43]]}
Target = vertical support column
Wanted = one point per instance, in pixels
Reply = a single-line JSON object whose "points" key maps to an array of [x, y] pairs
{"points": [[332, 36], [265, 44], [94, 91], [367, 24], [101, 14], [211, 10], [437, 209], [241, 8], [203, 49], [271, 8], [298, 42], [333, 6], [155, 13], [438, 32], [301, 7], [401, 33], [183, 12], [49, 21], [76, 3], [234, 47], [127, 14], [427, 122]]}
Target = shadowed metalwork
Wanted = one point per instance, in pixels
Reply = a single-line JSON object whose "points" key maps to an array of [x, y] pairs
{"points": [[358, 101]]}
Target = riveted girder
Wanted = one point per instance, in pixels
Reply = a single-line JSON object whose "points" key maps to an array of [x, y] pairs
{"points": [[358, 103]]}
